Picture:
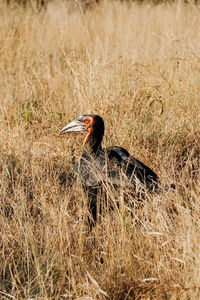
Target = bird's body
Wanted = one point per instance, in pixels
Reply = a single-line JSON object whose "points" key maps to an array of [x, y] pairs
{"points": [[112, 167]]}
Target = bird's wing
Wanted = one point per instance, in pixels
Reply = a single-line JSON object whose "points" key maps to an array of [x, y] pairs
{"points": [[133, 168], [115, 167]]}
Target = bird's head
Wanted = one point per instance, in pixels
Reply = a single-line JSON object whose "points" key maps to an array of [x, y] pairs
{"points": [[92, 124]]}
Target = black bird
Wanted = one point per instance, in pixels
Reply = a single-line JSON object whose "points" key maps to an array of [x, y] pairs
{"points": [[100, 168]]}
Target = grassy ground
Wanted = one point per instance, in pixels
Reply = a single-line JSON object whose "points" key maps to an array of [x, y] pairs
{"points": [[138, 67]]}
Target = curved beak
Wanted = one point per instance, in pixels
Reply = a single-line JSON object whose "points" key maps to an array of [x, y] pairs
{"points": [[76, 125]]}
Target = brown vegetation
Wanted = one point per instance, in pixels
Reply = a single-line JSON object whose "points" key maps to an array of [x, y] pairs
{"points": [[138, 67]]}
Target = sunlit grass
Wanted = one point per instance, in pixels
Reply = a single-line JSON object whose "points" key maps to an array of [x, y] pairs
{"points": [[138, 67]]}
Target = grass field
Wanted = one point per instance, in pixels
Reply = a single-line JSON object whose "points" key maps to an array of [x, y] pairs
{"points": [[138, 66]]}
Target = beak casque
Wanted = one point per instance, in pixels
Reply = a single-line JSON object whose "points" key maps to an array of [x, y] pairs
{"points": [[76, 125]]}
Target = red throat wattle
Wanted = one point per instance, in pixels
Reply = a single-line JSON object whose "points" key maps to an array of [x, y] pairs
{"points": [[89, 130]]}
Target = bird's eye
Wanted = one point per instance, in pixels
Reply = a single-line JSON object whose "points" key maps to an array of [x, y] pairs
{"points": [[86, 121]]}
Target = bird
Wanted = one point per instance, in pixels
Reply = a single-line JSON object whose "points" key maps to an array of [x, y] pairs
{"points": [[101, 168]]}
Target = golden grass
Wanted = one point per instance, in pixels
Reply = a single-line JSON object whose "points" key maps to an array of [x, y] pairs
{"points": [[138, 66]]}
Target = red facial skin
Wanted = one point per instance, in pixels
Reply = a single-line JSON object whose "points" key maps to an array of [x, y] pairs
{"points": [[88, 121]]}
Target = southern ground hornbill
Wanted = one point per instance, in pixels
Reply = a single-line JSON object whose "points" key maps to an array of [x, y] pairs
{"points": [[99, 169]]}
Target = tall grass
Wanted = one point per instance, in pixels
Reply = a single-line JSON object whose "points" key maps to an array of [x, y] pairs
{"points": [[138, 67]]}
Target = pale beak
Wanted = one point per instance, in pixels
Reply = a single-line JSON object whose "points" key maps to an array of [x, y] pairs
{"points": [[76, 125]]}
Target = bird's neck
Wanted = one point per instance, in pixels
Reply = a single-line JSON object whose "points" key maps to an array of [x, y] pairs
{"points": [[92, 143]]}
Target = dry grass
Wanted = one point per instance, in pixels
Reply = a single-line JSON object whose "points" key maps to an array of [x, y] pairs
{"points": [[138, 67]]}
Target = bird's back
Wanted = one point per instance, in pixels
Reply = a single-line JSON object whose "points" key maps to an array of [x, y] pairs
{"points": [[111, 165]]}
